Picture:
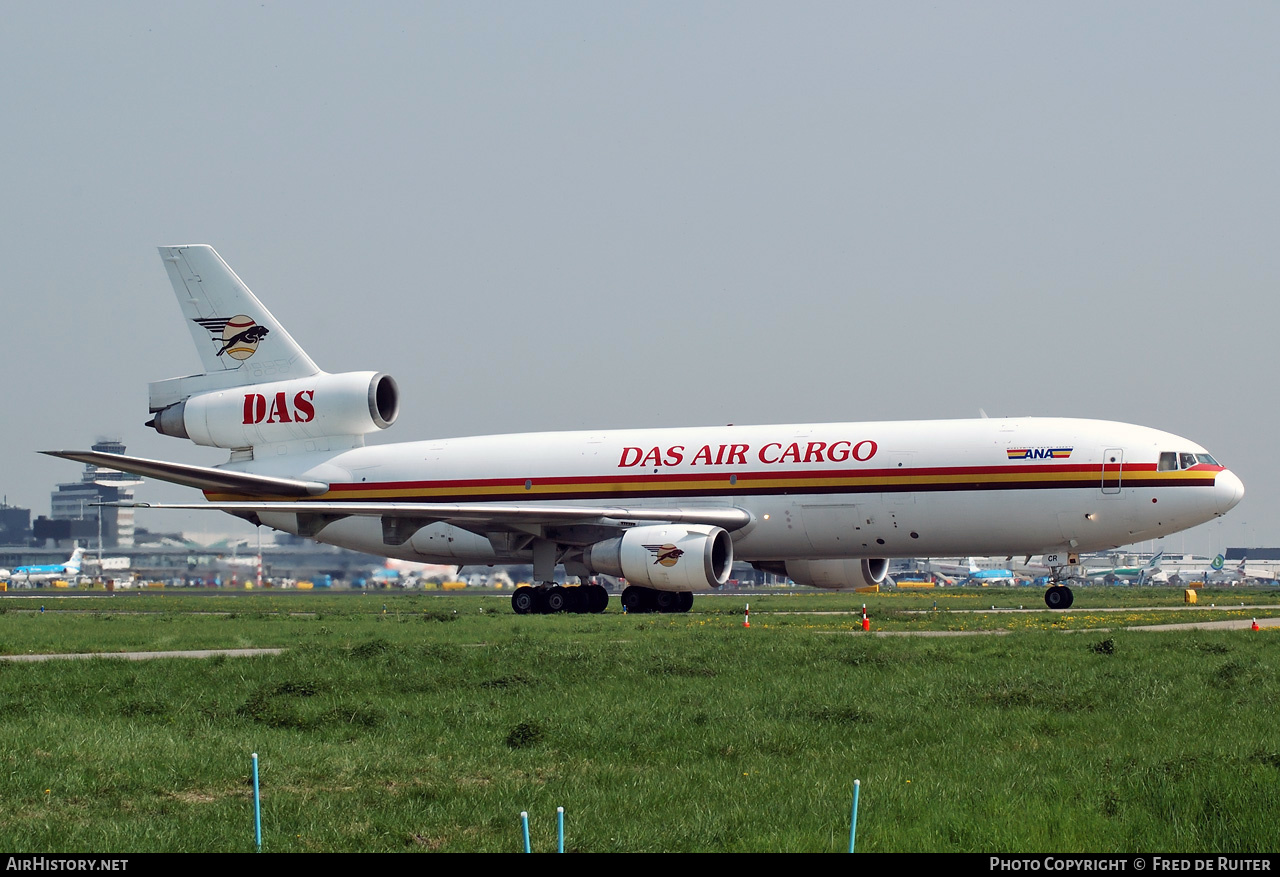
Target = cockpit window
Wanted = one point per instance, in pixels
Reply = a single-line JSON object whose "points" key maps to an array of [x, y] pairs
{"points": [[1171, 462]]}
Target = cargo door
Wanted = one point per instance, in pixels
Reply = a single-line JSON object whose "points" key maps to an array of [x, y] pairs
{"points": [[1112, 471]]}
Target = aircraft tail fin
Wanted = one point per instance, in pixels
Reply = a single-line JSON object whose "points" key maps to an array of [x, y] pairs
{"points": [[241, 345], [232, 330], [72, 566]]}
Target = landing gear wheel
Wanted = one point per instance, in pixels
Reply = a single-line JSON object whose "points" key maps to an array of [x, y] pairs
{"points": [[636, 599], [597, 598], [557, 599], [524, 601], [685, 602], [576, 599], [1059, 597], [666, 601]]}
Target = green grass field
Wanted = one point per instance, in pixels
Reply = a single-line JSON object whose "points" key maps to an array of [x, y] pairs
{"points": [[431, 724]]}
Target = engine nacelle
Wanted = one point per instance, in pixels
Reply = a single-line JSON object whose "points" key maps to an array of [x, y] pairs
{"points": [[667, 557], [353, 403], [845, 574]]}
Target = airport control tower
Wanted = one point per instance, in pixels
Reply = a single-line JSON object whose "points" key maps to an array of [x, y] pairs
{"points": [[75, 501]]}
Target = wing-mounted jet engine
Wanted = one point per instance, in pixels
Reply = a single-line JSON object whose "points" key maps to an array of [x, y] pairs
{"points": [[844, 574], [664, 564]]}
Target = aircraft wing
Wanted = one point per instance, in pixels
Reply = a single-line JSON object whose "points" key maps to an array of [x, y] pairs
{"points": [[401, 519], [398, 518], [201, 477], [469, 515]]}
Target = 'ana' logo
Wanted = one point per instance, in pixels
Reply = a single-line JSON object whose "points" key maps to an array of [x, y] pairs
{"points": [[1038, 453], [667, 555], [237, 337]]}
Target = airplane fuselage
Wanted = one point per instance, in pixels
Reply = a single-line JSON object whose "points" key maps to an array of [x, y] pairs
{"points": [[888, 489], [31, 575]]}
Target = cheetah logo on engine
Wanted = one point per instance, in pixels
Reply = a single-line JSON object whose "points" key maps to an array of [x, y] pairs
{"points": [[237, 337], [667, 555]]}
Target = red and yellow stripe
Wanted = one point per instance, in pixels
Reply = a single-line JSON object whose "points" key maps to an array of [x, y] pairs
{"points": [[758, 483]]}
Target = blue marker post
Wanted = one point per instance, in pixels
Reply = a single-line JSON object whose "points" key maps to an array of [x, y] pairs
{"points": [[257, 805], [524, 827], [853, 822], [560, 829]]}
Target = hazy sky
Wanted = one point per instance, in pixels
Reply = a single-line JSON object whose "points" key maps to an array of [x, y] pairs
{"points": [[574, 215]]}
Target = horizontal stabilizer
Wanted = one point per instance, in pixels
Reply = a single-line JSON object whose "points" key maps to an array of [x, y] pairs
{"points": [[201, 477]]}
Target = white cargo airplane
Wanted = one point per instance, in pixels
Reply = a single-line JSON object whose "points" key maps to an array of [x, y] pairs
{"points": [[668, 509]]}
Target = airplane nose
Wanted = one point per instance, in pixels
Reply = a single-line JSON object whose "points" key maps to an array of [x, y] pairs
{"points": [[1228, 490]]}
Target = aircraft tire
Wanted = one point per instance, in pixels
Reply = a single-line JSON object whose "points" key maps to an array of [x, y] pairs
{"points": [[597, 598], [576, 599], [557, 599], [524, 602], [1059, 597], [685, 603], [540, 598], [637, 599], [666, 601]]}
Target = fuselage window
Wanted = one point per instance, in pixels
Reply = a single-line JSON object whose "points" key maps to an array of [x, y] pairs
{"points": [[1206, 458], [1168, 462], [1188, 460]]}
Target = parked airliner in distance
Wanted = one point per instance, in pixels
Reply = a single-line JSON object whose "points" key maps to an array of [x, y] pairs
{"points": [[49, 572], [984, 577], [969, 573], [668, 509], [1256, 574], [1143, 573]]}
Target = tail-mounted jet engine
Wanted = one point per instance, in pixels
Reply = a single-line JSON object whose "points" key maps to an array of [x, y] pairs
{"points": [[348, 404], [666, 557]]}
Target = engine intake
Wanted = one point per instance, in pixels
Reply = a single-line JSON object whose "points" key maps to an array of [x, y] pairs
{"points": [[352, 403], [666, 557]]}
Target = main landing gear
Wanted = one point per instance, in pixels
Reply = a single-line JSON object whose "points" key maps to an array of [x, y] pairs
{"points": [[542, 599], [638, 599]]}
